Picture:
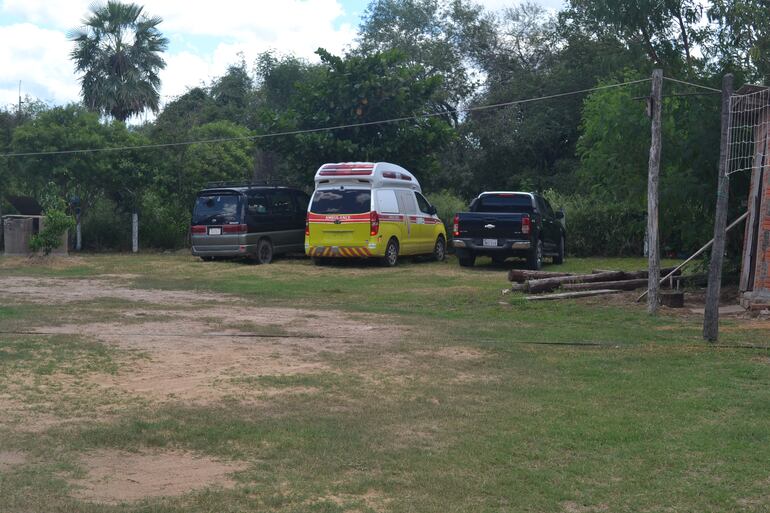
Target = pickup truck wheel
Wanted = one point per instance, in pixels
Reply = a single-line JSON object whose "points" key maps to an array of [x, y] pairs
{"points": [[559, 258], [466, 259], [264, 251], [439, 250], [535, 257], [391, 254]]}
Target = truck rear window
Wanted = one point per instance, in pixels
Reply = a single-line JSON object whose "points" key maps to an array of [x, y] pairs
{"points": [[349, 201], [217, 209], [510, 203]]}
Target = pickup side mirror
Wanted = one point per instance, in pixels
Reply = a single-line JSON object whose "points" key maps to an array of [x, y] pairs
{"points": [[432, 210], [559, 214]]}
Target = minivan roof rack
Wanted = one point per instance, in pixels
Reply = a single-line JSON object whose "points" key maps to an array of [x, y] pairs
{"points": [[243, 183]]}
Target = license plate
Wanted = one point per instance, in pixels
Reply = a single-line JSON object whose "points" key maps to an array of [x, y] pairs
{"points": [[215, 231], [490, 243]]}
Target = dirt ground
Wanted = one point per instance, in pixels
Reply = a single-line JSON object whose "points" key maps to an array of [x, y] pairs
{"points": [[117, 476], [191, 348]]}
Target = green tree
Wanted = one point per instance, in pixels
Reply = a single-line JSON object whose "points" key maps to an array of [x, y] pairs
{"points": [[118, 175], [356, 90], [614, 150], [208, 162], [446, 39], [742, 38], [118, 51], [668, 31]]}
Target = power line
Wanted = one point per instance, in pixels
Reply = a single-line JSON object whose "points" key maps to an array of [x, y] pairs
{"points": [[326, 129], [692, 84]]}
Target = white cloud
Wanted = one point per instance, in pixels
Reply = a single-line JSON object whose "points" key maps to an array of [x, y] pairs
{"points": [[62, 14], [206, 37], [40, 59]]}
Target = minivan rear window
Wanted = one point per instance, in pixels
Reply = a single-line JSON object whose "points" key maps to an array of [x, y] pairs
{"points": [[348, 201], [217, 209], [511, 203]]}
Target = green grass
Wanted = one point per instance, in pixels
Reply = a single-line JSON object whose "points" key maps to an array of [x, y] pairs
{"points": [[650, 420]]}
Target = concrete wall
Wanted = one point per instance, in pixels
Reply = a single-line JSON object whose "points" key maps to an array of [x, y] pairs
{"points": [[19, 230]]}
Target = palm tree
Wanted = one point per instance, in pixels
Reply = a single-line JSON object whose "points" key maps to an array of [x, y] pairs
{"points": [[117, 50]]}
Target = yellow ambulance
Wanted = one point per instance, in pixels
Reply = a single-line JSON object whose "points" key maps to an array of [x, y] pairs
{"points": [[367, 209]]}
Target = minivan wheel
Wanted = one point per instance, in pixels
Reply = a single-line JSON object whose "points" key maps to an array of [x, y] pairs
{"points": [[535, 257], [439, 250], [391, 254], [264, 251]]}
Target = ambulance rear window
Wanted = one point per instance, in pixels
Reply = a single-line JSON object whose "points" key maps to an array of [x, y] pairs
{"points": [[348, 201]]}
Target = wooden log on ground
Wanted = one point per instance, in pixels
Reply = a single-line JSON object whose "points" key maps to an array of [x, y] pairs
{"points": [[614, 285], [549, 284], [635, 275], [522, 275], [518, 287], [572, 295]]}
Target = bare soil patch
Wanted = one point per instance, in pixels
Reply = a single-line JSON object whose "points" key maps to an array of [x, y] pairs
{"points": [[194, 352], [57, 290], [117, 476], [10, 459]]}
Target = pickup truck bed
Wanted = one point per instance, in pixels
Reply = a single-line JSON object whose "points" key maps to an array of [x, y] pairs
{"points": [[509, 224]]}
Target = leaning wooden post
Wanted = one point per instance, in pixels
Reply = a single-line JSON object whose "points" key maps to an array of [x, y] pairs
{"points": [[711, 316], [653, 257]]}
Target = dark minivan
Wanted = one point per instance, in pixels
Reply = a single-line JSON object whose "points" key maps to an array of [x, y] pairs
{"points": [[251, 221]]}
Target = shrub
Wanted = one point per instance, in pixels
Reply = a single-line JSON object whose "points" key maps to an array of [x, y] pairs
{"points": [[600, 228], [162, 224], [106, 227], [55, 225], [447, 205]]}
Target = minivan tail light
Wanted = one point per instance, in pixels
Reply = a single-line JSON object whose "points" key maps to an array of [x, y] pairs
{"points": [[198, 228], [307, 225], [456, 227], [234, 228], [374, 223], [526, 224]]}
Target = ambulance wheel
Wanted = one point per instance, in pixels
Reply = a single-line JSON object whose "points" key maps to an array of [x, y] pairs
{"points": [[439, 250], [264, 251], [391, 254]]}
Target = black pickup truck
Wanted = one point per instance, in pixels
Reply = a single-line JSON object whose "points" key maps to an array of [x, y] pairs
{"points": [[509, 224]]}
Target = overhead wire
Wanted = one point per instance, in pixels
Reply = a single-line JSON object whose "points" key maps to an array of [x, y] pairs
{"points": [[328, 128], [708, 88]]}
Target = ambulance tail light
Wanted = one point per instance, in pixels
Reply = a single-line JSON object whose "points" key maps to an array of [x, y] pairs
{"points": [[526, 224], [374, 223], [307, 226], [456, 227]]}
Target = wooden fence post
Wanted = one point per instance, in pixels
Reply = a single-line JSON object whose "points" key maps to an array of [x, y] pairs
{"points": [[653, 256], [711, 316]]}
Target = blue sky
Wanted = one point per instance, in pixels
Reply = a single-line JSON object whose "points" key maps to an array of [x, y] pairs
{"points": [[205, 37]]}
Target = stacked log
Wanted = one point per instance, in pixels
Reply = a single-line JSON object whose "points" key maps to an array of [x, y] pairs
{"points": [[578, 285]]}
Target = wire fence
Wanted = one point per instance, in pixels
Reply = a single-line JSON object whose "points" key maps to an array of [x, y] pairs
{"points": [[747, 132]]}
